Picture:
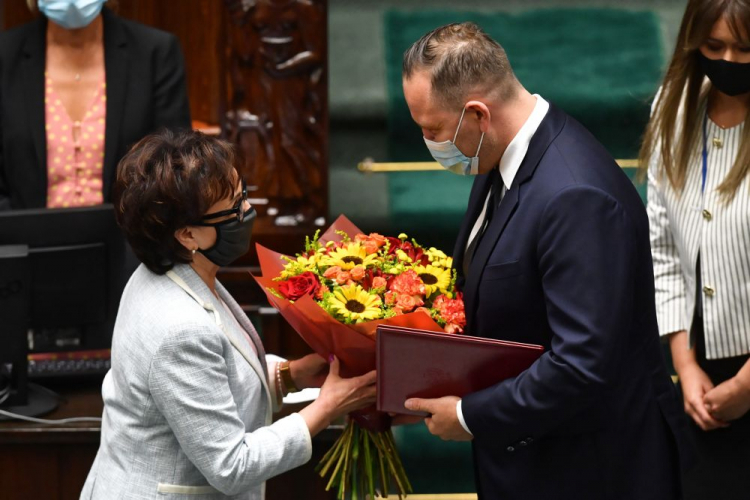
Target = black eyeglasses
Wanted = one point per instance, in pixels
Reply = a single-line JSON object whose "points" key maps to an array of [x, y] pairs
{"points": [[237, 211]]}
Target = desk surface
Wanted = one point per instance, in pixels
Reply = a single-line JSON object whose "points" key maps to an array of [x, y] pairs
{"points": [[82, 398], [78, 398], [62, 454]]}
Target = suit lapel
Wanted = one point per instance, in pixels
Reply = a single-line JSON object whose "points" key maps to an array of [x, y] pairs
{"points": [[548, 130], [241, 318], [34, 84], [258, 362], [116, 62]]}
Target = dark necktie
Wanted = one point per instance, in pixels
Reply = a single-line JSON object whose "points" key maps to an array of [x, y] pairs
{"points": [[496, 193]]}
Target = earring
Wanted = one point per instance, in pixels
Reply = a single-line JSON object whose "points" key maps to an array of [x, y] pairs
{"points": [[194, 251]]}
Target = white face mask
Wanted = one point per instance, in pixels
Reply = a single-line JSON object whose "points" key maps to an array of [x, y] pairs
{"points": [[71, 14], [448, 155]]}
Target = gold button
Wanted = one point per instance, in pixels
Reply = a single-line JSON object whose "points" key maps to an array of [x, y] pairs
{"points": [[709, 291], [717, 142], [707, 215]]}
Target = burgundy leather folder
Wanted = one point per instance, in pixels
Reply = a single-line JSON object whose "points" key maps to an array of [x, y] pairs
{"points": [[423, 364]]}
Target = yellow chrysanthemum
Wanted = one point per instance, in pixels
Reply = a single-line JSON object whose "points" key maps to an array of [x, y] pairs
{"points": [[348, 256], [353, 302], [402, 256], [434, 278], [438, 258]]}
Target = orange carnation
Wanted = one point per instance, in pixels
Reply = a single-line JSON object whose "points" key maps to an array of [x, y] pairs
{"points": [[408, 283]]}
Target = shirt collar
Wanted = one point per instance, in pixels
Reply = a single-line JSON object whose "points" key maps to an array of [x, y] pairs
{"points": [[516, 150]]}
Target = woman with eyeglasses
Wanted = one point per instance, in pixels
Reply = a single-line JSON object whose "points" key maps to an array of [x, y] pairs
{"points": [[189, 398], [697, 153]]}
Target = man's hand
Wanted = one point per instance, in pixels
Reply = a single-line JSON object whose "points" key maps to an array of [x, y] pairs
{"points": [[443, 421], [728, 401]]}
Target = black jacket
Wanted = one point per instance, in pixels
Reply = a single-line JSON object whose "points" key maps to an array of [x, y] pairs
{"points": [[146, 90]]}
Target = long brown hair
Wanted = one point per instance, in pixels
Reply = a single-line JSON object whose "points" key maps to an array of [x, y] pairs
{"points": [[683, 96]]}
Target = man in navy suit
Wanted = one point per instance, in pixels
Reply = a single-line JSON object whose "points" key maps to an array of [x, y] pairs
{"points": [[553, 250]]}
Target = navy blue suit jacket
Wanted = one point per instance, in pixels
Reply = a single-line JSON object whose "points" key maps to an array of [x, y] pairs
{"points": [[566, 263]]}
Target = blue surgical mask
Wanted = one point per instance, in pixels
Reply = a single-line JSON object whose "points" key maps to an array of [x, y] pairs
{"points": [[448, 155], [71, 14]]}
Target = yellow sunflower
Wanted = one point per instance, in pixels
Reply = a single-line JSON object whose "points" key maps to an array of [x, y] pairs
{"points": [[434, 278], [349, 256], [353, 302]]}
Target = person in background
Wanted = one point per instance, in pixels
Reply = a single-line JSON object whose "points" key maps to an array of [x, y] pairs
{"points": [[188, 400], [79, 86], [696, 151]]}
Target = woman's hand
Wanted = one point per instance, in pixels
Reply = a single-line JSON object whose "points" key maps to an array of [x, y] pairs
{"points": [[344, 395], [310, 371], [338, 396], [729, 400], [695, 386], [694, 381]]}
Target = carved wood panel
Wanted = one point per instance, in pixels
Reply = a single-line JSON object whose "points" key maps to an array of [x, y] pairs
{"points": [[277, 104]]}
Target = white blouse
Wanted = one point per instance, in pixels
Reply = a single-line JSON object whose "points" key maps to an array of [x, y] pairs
{"points": [[684, 224]]}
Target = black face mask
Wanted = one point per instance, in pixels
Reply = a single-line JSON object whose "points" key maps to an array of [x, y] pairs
{"points": [[232, 239], [729, 78]]}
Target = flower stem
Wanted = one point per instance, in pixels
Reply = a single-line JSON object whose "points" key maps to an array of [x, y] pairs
{"points": [[359, 456]]}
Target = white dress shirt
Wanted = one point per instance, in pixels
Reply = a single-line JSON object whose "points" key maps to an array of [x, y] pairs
{"points": [[510, 162]]}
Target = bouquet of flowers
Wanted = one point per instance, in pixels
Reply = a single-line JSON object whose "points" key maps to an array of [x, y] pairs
{"points": [[335, 294]]}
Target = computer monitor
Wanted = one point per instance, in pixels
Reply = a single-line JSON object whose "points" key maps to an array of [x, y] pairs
{"points": [[62, 272]]}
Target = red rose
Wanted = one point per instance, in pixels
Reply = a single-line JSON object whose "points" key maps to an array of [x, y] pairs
{"points": [[297, 286], [395, 244]]}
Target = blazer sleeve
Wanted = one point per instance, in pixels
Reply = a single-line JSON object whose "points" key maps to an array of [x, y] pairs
{"points": [[669, 282], [588, 264], [171, 106], [189, 383]]}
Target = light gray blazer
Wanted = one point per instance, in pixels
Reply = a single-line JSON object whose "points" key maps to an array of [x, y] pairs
{"points": [[187, 405]]}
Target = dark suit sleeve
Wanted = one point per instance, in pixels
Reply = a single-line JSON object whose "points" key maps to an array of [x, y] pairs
{"points": [[4, 188], [172, 109], [587, 260]]}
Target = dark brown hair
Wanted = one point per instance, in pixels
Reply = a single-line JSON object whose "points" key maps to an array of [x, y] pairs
{"points": [[678, 106], [461, 58], [168, 181]]}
